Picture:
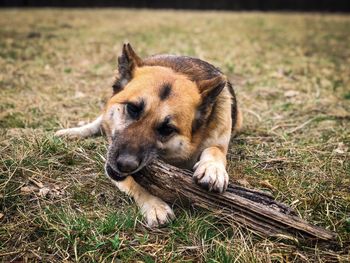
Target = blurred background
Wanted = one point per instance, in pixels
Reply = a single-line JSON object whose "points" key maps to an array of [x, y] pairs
{"points": [[288, 5]]}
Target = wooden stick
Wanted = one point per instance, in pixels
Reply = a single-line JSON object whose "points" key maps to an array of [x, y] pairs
{"points": [[253, 209]]}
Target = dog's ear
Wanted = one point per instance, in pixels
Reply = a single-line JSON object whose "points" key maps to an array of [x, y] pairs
{"points": [[209, 90], [127, 63]]}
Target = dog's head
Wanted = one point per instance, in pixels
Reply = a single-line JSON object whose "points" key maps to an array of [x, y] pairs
{"points": [[155, 111]]}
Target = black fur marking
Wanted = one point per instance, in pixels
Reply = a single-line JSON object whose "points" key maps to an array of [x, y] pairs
{"points": [[135, 110], [165, 91], [117, 86], [166, 130]]}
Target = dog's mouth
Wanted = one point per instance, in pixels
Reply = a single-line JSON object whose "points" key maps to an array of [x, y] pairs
{"points": [[123, 161], [114, 173]]}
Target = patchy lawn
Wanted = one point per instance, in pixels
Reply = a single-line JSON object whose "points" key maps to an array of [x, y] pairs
{"points": [[292, 76]]}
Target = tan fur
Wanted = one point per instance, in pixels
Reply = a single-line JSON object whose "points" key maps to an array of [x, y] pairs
{"points": [[239, 123], [202, 148]]}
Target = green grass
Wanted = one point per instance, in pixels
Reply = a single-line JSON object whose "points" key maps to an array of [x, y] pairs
{"points": [[291, 73]]}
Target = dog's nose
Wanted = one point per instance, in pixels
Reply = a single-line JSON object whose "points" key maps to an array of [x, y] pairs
{"points": [[127, 163]]}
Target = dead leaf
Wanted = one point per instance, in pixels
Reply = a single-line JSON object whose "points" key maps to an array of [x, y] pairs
{"points": [[79, 94], [295, 202], [338, 111], [43, 192], [279, 74], [28, 189], [1, 215], [37, 183], [291, 93], [267, 184], [243, 182], [341, 149]]}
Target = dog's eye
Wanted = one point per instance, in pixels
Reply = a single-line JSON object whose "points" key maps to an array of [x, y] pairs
{"points": [[133, 110], [166, 130]]}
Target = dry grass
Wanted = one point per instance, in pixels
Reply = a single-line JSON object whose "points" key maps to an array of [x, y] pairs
{"points": [[292, 77]]}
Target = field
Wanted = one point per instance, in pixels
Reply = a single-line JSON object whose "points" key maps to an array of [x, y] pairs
{"points": [[292, 76]]}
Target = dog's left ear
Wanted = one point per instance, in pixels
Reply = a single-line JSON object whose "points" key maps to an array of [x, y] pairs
{"points": [[209, 90], [127, 63]]}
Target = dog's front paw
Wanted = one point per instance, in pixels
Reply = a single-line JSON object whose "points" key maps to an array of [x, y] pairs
{"points": [[157, 212], [211, 175]]}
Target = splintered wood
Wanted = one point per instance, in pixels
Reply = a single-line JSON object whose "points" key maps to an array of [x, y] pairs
{"points": [[253, 209]]}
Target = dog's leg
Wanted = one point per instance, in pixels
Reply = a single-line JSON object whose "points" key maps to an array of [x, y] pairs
{"points": [[89, 129], [156, 211], [210, 171]]}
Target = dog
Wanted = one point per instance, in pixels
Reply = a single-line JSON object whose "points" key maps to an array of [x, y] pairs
{"points": [[180, 109]]}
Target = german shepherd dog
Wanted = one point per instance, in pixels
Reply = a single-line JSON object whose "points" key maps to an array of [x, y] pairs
{"points": [[180, 109]]}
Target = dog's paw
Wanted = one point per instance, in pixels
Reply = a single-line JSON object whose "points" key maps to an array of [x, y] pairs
{"points": [[211, 175], [157, 212]]}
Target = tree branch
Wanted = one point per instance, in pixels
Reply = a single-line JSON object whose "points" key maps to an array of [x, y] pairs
{"points": [[253, 209]]}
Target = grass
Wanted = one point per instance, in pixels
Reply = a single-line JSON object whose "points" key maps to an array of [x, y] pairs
{"points": [[291, 73]]}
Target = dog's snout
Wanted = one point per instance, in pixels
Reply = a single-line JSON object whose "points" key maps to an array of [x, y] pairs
{"points": [[127, 163]]}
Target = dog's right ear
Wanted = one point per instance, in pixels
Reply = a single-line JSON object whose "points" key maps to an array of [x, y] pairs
{"points": [[127, 63]]}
